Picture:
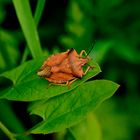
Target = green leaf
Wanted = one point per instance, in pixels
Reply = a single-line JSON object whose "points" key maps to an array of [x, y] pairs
{"points": [[9, 54], [27, 86], [70, 108], [88, 129], [28, 26]]}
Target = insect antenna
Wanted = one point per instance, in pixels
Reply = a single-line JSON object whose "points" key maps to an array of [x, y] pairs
{"points": [[92, 45]]}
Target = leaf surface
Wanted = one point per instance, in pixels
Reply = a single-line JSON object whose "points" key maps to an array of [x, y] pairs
{"points": [[63, 111], [27, 86], [88, 129]]}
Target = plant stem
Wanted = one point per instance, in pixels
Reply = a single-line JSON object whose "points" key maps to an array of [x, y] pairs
{"points": [[39, 10], [24, 14], [37, 16], [7, 132]]}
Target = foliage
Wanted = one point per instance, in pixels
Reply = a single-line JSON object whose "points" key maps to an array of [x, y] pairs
{"points": [[30, 31], [27, 86]]}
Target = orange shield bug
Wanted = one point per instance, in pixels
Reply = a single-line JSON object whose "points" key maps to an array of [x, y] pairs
{"points": [[65, 67]]}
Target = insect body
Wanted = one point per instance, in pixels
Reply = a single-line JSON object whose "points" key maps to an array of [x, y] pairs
{"points": [[64, 67]]}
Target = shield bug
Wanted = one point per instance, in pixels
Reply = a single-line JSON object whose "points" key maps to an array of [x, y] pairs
{"points": [[65, 67]]}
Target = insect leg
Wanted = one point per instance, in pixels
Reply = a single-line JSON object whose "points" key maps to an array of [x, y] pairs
{"points": [[60, 84], [83, 52], [87, 69], [86, 55], [69, 83]]}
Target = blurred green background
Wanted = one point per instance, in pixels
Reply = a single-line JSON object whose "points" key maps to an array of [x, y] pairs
{"points": [[113, 25]]}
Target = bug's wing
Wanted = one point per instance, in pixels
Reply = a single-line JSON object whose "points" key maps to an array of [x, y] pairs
{"points": [[65, 66], [60, 77], [76, 64], [55, 59]]}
